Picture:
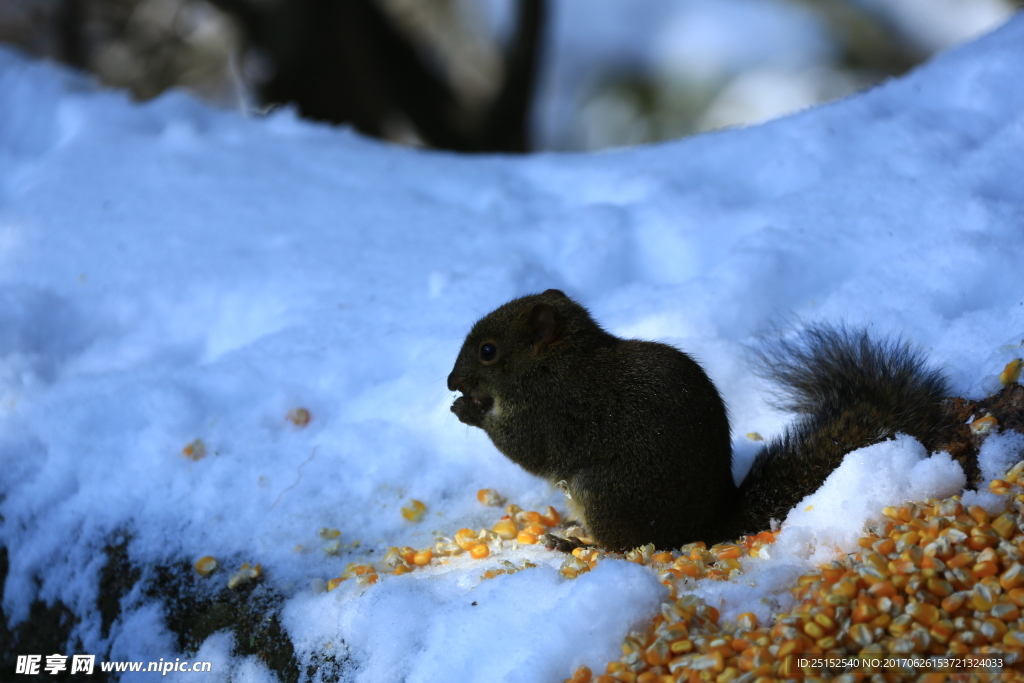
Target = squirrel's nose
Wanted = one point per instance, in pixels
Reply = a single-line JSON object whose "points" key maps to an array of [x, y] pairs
{"points": [[452, 382]]}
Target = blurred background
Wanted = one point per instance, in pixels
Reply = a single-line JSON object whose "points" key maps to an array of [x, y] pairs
{"points": [[502, 75]]}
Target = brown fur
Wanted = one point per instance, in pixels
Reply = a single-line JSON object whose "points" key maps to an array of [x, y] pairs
{"points": [[639, 434]]}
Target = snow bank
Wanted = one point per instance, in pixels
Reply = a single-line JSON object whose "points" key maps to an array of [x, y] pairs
{"points": [[170, 273]]}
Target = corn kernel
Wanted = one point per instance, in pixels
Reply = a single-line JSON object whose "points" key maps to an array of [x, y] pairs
{"points": [[299, 417], [505, 529], [1014, 638], [680, 647], [422, 558], [1006, 611], [999, 487], [1005, 525], [465, 538], [982, 598], [366, 579], [984, 425], [490, 498], [923, 613], [244, 575], [1012, 577], [942, 630], [527, 517], [196, 450], [479, 551], [747, 621], [581, 675], [526, 538], [205, 566], [414, 511], [960, 560], [883, 589], [550, 517], [1010, 373]]}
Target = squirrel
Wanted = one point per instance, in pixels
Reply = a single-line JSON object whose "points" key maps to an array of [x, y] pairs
{"points": [[637, 436]]}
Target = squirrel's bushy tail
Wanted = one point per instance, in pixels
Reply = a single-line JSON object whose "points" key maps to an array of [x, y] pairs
{"points": [[851, 391]]}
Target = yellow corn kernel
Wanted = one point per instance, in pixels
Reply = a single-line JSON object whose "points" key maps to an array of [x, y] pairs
{"points": [[535, 529], [1014, 638], [244, 575], [658, 654], [479, 551], [299, 417], [527, 517], [506, 529], [727, 551], [983, 536], [1005, 525], [846, 587], [401, 569], [195, 450], [550, 517], [366, 579], [883, 589], [982, 597], [814, 630], [423, 557], [825, 621], [1012, 577], [978, 514], [747, 621], [984, 425], [581, 675], [1015, 472], [924, 613], [526, 538], [1006, 611], [205, 566], [490, 498], [999, 487], [939, 587], [414, 511], [961, 559], [942, 630], [861, 634], [983, 569], [465, 538], [334, 583], [954, 602], [1011, 373]]}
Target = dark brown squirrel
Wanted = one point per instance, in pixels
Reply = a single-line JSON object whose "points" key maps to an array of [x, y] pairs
{"points": [[637, 435]]}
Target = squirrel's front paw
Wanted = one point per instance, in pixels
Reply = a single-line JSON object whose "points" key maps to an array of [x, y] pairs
{"points": [[471, 409], [565, 545]]}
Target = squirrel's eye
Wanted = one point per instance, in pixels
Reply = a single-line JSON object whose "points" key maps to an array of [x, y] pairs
{"points": [[488, 352]]}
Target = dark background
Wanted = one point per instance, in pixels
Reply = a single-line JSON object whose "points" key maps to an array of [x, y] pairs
{"points": [[497, 75]]}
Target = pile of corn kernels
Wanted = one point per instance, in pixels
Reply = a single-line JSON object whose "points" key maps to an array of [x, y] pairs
{"points": [[516, 527], [933, 579]]}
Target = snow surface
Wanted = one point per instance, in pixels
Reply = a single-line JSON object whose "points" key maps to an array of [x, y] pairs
{"points": [[169, 272]]}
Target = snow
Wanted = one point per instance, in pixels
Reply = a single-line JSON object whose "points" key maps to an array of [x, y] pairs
{"points": [[171, 273]]}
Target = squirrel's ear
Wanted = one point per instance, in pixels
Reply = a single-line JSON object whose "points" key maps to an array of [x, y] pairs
{"points": [[555, 292], [545, 325]]}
